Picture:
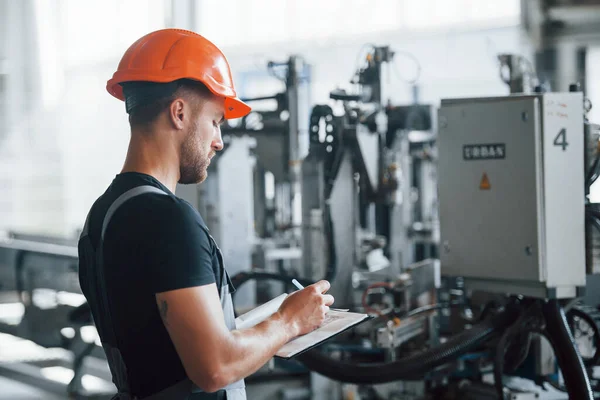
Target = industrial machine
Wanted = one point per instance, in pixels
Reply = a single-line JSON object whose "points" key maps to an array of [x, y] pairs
{"points": [[514, 172], [513, 257]]}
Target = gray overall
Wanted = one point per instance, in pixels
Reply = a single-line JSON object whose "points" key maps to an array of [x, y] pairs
{"points": [[93, 285]]}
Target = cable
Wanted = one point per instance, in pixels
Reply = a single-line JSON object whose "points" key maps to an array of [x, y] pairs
{"points": [[523, 327], [412, 367], [565, 349], [559, 335]]}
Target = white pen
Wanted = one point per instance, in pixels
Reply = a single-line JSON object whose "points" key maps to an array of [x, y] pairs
{"points": [[300, 287], [297, 284]]}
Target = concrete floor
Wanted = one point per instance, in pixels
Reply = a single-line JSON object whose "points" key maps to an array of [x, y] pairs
{"points": [[13, 390]]}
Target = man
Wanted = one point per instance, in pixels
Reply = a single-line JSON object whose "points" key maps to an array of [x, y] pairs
{"points": [[153, 275]]}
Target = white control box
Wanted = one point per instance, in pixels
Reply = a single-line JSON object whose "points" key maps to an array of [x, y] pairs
{"points": [[511, 193]]}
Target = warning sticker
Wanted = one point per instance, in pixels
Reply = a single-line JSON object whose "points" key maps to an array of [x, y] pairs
{"points": [[485, 182]]}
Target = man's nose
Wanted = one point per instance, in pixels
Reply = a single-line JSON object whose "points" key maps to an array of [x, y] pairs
{"points": [[217, 143]]}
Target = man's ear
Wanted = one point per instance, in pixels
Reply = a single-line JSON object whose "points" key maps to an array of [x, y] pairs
{"points": [[177, 111]]}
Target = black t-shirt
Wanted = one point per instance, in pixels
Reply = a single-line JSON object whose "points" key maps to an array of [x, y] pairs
{"points": [[153, 243]]}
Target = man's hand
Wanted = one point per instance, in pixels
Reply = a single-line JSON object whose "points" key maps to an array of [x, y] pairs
{"points": [[304, 311]]}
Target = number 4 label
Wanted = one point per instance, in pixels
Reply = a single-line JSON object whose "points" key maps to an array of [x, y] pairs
{"points": [[561, 139]]}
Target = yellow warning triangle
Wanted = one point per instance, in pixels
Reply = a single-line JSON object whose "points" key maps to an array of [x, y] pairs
{"points": [[485, 182]]}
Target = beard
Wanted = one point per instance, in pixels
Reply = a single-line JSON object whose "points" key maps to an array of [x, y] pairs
{"points": [[194, 161]]}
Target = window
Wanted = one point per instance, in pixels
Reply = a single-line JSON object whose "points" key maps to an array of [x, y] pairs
{"points": [[256, 22]]}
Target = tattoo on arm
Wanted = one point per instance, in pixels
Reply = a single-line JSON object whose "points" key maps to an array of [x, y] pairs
{"points": [[164, 307]]}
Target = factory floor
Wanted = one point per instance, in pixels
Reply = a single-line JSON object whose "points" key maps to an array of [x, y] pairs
{"points": [[29, 371], [15, 390]]}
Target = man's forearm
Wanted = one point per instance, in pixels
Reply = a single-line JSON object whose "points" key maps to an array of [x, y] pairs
{"points": [[212, 355], [251, 348]]}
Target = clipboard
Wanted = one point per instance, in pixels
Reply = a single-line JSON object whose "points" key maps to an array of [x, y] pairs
{"points": [[335, 323], [326, 332]]}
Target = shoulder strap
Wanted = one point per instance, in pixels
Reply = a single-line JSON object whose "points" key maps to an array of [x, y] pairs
{"points": [[97, 285], [122, 199], [118, 203]]}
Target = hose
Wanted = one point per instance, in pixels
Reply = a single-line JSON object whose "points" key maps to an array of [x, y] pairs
{"points": [[412, 367], [521, 330], [569, 360]]}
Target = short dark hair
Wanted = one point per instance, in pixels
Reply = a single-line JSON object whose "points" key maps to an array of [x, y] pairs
{"points": [[145, 101]]}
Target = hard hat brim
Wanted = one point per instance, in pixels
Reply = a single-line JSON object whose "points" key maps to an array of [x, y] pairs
{"points": [[236, 108]]}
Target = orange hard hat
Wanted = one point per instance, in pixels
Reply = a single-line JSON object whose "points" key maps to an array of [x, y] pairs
{"points": [[168, 55]]}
